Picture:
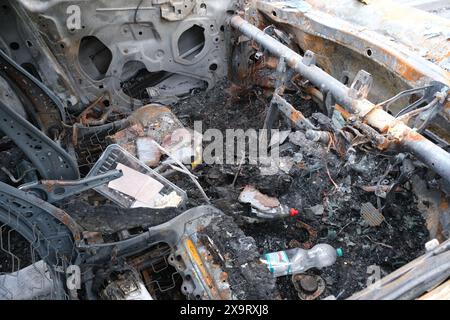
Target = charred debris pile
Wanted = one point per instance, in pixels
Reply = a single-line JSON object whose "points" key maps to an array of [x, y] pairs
{"points": [[330, 186], [329, 189], [211, 154]]}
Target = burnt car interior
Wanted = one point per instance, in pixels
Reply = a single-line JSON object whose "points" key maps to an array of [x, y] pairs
{"points": [[111, 110]]}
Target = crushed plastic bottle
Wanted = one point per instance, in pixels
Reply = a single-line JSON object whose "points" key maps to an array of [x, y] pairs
{"points": [[298, 260]]}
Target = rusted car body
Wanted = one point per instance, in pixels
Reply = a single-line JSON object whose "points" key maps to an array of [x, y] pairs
{"points": [[74, 75]]}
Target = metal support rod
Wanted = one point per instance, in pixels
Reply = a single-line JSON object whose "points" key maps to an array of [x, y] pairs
{"points": [[426, 151], [314, 74]]}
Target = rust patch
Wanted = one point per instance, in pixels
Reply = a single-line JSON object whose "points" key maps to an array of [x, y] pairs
{"points": [[443, 205], [414, 136], [311, 232], [320, 48], [344, 112], [69, 222], [209, 281], [271, 62], [266, 82], [223, 277], [407, 71], [296, 116]]}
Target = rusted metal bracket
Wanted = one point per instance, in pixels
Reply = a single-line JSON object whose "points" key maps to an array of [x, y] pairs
{"points": [[297, 118], [56, 190], [424, 119], [426, 151], [278, 104], [272, 111]]}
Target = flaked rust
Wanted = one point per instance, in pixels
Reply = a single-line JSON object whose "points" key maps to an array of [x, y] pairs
{"points": [[414, 136], [343, 112], [407, 71], [296, 116], [271, 62], [63, 217], [373, 114], [312, 233], [46, 110], [195, 256], [67, 220], [216, 280], [50, 185], [320, 27]]}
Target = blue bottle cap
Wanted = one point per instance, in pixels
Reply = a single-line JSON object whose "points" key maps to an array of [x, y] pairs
{"points": [[340, 252]]}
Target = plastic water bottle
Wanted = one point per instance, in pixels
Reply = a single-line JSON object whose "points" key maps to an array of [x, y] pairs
{"points": [[298, 260]]}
